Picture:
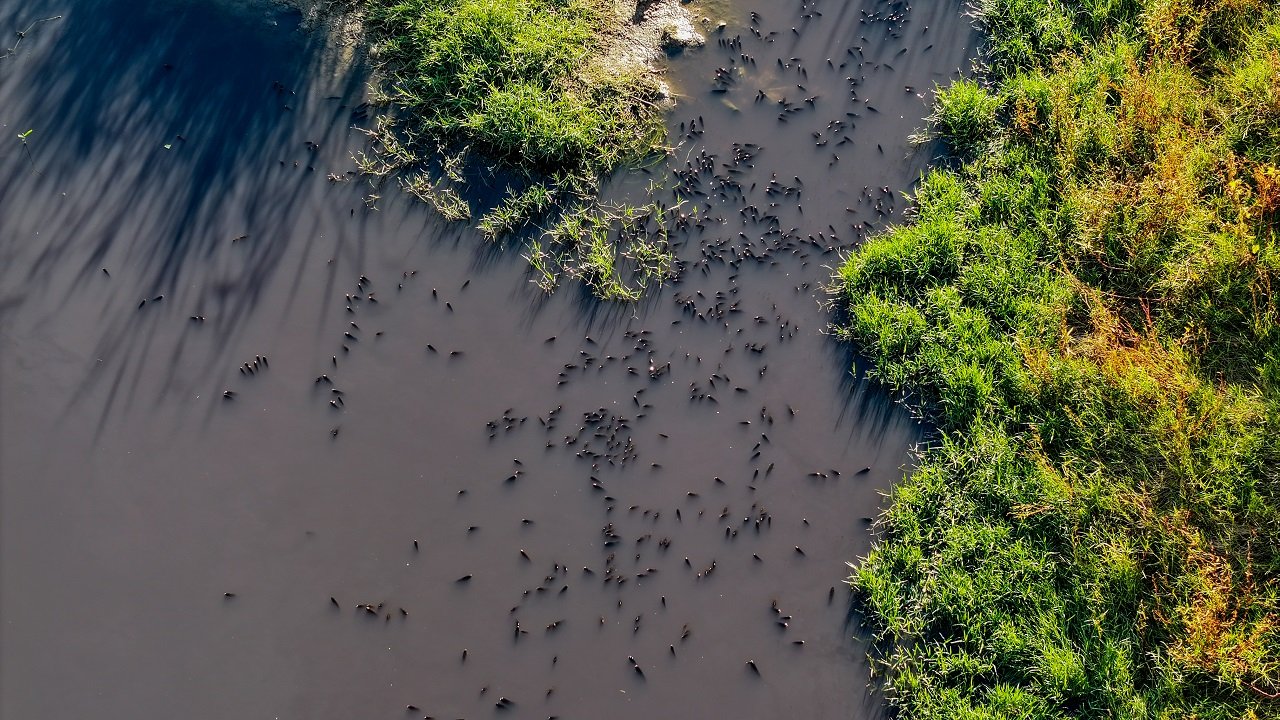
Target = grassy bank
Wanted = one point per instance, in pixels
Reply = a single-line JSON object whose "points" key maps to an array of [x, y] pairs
{"points": [[1086, 305], [528, 94]]}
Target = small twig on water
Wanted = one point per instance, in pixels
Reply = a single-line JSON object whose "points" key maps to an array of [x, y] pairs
{"points": [[23, 33]]}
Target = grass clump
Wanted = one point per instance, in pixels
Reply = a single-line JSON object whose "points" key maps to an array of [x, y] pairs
{"points": [[513, 79], [522, 88], [966, 115], [616, 250], [1086, 307]]}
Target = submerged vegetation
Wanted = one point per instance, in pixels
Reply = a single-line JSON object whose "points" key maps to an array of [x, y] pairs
{"points": [[1086, 306], [522, 95]]}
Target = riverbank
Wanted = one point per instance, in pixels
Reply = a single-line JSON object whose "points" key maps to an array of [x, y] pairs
{"points": [[1085, 304]]}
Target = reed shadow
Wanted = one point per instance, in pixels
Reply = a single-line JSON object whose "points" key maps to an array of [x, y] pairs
{"points": [[165, 147]]}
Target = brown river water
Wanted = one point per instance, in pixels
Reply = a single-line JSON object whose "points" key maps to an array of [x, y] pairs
{"points": [[631, 539]]}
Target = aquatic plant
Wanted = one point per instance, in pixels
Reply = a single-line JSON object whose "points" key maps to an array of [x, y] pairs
{"points": [[616, 250], [1086, 308], [26, 148]]}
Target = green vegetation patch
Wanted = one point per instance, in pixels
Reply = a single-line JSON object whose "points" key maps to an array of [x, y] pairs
{"points": [[513, 79], [525, 88], [1087, 307]]}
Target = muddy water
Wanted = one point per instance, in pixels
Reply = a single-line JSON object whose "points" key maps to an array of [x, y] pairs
{"points": [[167, 549]]}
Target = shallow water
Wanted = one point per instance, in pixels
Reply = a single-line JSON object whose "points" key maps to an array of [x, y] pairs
{"points": [[181, 151]]}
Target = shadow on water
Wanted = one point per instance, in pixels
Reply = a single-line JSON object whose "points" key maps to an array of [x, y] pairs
{"points": [[641, 498], [147, 120]]}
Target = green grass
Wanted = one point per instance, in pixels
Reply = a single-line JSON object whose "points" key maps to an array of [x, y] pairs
{"points": [[513, 79], [1087, 309], [520, 86]]}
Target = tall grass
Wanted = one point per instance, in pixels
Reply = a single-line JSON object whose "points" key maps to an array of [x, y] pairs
{"points": [[1086, 307]]}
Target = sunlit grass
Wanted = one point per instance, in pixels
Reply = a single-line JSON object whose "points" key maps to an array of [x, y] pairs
{"points": [[1087, 308], [512, 84]]}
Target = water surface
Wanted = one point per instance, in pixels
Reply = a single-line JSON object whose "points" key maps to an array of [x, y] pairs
{"points": [[166, 550]]}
